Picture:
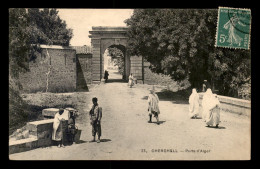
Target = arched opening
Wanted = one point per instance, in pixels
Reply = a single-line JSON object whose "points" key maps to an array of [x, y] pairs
{"points": [[114, 63]]}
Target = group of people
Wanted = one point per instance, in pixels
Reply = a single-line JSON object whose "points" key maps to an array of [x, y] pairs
{"points": [[210, 114], [210, 107], [63, 130]]}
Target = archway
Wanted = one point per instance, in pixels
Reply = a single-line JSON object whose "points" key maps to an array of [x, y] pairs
{"points": [[114, 63], [101, 39]]}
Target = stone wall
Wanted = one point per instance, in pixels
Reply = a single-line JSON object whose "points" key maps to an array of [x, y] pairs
{"points": [[84, 67], [62, 65], [136, 67], [233, 105], [96, 60], [40, 135]]}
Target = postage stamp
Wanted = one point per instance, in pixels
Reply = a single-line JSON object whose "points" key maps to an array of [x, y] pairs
{"points": [[233, 28]]}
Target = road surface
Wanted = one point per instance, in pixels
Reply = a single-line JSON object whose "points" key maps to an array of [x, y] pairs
{"points": [[126, 135]]}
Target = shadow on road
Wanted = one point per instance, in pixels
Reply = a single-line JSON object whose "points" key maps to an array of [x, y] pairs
{"points": [[101, 140], [220, 127], [197, 118], [160, 122], [81, 141], [179, 97], [116, 81], [105, 140]]}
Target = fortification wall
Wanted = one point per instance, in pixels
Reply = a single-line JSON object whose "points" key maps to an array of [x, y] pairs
{"points": [[61, 65]]}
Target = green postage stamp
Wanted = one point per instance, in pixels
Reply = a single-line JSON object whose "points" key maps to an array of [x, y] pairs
{"points": [[233, 28]]}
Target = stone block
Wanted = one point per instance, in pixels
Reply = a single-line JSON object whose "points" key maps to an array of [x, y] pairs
{"points": [[22, 145], [40, 129], [45, 134], [50, 112], [44, 142]]}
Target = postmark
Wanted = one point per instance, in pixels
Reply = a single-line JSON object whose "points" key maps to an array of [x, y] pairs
{"points": [[233, 28]]}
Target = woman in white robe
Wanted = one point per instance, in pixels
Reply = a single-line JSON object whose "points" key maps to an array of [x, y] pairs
{"points": [[213, 111], [57, 133], [194, 104], [204, 102]]}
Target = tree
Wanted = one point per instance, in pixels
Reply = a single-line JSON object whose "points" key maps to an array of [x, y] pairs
{"points": [[28, 28], [49, 28], [118, 57], [181, 43]]}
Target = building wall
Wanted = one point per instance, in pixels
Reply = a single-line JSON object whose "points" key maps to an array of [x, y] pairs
{"points": [[84, 68], [136, 67], [96, 60], [62, 76]]}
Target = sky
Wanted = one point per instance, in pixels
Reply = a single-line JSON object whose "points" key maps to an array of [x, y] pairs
{"points": [[82, 20]]}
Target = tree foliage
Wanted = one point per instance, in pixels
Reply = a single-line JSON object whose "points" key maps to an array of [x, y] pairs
{"points": [[181, 42], [27, 29], [117, 56]]}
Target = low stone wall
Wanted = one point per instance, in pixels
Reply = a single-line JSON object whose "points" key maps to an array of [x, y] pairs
{"points": [[233, 105], [42, 131], [40, 135]]}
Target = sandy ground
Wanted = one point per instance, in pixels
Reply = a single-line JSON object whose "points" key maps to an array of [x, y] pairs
{"points": [[126, 135]]}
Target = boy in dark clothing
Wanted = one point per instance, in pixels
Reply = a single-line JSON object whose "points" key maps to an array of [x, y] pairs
{"points": [[95, 119], [71, 128]]}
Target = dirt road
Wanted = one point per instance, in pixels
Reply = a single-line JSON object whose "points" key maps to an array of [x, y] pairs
{"points": [[126, 135]]}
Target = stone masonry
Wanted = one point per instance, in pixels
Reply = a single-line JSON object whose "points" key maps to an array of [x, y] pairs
{"points": [[60, 62]]}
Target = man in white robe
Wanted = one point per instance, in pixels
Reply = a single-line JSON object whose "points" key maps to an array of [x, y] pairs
{"points": [[194, 104], [206, 96], [153, 107]]}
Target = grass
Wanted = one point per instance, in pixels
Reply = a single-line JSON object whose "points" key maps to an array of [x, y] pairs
{"points": [[32, 105]]}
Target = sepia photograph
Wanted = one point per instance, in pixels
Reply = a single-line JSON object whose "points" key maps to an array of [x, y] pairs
{"points": [[130, 84]]}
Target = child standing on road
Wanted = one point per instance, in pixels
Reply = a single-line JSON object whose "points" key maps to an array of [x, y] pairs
{"points": [[95, 119]]}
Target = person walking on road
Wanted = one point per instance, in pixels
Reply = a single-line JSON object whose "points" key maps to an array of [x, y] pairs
{"points": [[194, 104], [106, 75], [95, 119], [208, 94], [153, 106], [131, 80], [213, 111]]}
